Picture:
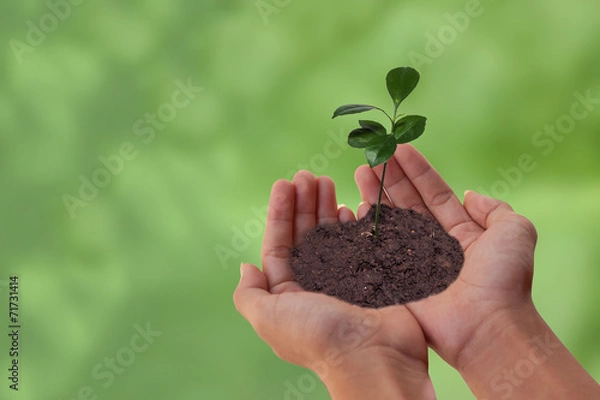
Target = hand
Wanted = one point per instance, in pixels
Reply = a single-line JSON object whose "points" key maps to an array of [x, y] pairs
{"points": [[498, 244], [485, 323], [347, 346]]}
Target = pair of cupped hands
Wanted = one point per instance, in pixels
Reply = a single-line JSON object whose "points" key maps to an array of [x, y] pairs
{"points": [[344, 343]]}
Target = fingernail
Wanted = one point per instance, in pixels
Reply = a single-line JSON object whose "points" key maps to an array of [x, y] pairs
{"points": [[242, 270], [468, 191]]}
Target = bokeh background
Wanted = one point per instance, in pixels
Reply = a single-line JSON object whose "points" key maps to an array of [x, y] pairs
{"points": [[160, 242]]}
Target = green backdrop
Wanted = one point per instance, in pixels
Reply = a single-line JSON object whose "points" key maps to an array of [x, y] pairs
{"points": [[139, 141]]}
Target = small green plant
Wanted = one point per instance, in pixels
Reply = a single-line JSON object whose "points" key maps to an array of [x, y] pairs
{"points": [[372, 136]]}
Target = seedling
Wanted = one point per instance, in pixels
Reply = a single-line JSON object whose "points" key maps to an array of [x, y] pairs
{"points": [[372, 136]]}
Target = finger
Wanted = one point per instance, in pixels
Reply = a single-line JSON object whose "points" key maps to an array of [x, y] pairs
{"points": [[345, 214], [437, 195], [488, 212], [279, 232], [305, 212], [399, 188], [327, 209], [250, 294], [363, 209], [485, 210], [368, 185]]}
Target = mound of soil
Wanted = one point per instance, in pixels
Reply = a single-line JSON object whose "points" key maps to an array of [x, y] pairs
{"points": [[411, 258]]}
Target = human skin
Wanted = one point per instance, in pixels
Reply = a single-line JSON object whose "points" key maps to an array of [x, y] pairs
{"points": [[358, 353], [485, 324]]}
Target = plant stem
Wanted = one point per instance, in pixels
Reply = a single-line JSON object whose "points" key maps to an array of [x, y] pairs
{"points": [[379, 200], [392, 120], [387, 115]]}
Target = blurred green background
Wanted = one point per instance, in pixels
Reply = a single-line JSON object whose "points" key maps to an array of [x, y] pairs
{"points": [[151, 242]]}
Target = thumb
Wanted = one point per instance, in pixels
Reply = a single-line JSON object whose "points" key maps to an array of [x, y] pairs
{"points": [[485, 210], [250, 292]]}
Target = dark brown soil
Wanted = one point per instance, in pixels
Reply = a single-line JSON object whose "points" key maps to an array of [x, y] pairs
{"points": [[412, 258]]}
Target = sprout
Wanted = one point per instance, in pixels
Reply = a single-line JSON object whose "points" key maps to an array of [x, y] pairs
{"points": [[372, 136]]}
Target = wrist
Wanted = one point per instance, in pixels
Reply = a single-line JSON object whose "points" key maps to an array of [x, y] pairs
{"points": [[378, 373], [514, 354], [493, 333]]}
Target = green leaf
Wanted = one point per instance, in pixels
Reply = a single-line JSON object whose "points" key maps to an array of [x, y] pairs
{"points": [[373, 126], [401, 82], [380, 150], [409, 128], [352, 109], [361, 137]]}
